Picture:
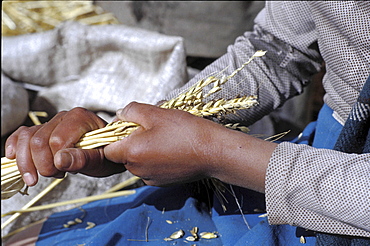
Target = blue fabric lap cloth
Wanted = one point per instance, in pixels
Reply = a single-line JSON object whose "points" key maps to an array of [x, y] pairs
{"points": [[153, 214]]}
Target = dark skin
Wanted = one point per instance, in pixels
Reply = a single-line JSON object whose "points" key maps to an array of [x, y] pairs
{"points": [[169, 147]]}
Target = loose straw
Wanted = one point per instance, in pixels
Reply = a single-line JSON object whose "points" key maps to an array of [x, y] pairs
{"points": [[79, 200], [32, 202], [23, 17], [119, 186]]}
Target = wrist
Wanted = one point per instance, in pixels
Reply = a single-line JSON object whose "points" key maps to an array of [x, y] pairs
{"points": [[241, 159]]}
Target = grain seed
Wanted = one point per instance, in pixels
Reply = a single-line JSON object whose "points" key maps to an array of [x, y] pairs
{"points": [[302, 239], [90, 225], [208, 235], [191, 238], [71, 222], [194, 233], [78, 220], [177, 234]]}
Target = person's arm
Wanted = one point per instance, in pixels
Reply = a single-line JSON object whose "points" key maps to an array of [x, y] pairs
{"points": [[319, 189], [287, 32]]}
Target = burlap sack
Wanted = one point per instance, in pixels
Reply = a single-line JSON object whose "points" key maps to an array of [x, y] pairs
{"points": [[14, 105], [96, 67]]}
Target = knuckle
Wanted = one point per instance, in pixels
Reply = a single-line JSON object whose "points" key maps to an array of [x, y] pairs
{"points": [[133, 154], [56, 142], [38, 142], [131, 104], [61, 113], [24, 132], [23, 128], [49, 171], [78, 111], [129, 108]]}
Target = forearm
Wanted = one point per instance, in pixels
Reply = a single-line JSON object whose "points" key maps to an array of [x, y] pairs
{"points": [[319, 189], [240, 159]]}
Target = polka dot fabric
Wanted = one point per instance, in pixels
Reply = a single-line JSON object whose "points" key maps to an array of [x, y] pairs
{"points": [[319, 189]]}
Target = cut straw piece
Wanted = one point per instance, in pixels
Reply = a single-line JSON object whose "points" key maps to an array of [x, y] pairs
{"points": [[119, 186], [51, 186], [97, 145], [8, 179], [80, 200], [258, 53], [8, 165], [110, 127], [101, 135], [97, 18], [276, 137], [97, 141], [8, 170], [10, 189], [124, 184], [5, 160]]}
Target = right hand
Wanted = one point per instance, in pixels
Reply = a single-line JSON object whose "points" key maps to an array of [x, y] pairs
{"points": [[48, 149]]}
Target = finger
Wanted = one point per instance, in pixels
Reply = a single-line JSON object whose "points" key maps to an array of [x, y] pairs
{"points": [[90, 162], [11, 142], [20, 144], [41, 153], [76, 123], [139, 113], [120, 151]]}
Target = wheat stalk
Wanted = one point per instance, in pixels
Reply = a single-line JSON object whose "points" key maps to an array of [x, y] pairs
{"points": [[191, 101], [23, 17]]}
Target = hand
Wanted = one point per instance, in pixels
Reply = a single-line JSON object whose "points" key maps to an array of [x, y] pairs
{"points": [[49, 148], [173, 146], [167, 148]]}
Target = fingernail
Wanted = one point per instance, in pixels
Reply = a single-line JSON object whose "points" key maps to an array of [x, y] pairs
{"points": [[63, 160], [119, 111], [28, 179], [9, 150]]}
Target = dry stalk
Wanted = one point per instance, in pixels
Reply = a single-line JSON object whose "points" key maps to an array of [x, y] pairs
{"points": [[22, 17], [79, 200]]}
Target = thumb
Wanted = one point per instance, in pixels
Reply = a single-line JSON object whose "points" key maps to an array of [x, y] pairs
{"points": [[87, 161]]}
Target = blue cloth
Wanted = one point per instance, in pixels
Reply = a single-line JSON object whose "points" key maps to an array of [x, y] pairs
{"points": [[136, 218], [327, 129]]}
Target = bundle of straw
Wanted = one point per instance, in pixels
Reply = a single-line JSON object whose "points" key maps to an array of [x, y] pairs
{"points": [[22, 17], [191, 101]]}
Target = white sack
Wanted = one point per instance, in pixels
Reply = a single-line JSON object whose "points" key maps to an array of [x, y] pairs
{"points": [[101, 68], [14, 105]]}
